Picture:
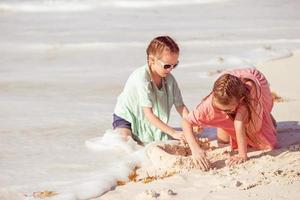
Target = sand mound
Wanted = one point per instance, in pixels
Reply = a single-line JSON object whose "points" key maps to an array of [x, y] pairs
{"points": [[170, 157], [280, 165]]}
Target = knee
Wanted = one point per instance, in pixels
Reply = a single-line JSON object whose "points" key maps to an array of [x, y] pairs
{"points": [[222, 137]]}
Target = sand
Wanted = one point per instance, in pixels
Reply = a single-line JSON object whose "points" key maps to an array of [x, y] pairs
{"points": [[170, 173]]}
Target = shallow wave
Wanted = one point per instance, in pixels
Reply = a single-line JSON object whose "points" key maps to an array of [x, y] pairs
{"points": [[69, 46], [86, 5], [157, 3], [46, 6], [91, 179], [241, 42], [265, 43], [245, 59]]}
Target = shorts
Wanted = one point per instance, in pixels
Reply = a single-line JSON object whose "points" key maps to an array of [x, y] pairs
{"points": [[119, 122]]}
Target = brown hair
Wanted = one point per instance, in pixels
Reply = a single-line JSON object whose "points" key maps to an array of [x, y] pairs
{"points": [[229, 88], [161, 43]]}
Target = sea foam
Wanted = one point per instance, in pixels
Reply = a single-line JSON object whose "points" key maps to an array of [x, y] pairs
{"points": [[125, 156]]}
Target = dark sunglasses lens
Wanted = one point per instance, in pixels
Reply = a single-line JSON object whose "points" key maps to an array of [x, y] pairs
{"points": [[169, 66]]}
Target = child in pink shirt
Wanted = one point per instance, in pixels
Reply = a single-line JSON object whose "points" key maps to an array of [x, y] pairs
{"points": [[240, 108]]}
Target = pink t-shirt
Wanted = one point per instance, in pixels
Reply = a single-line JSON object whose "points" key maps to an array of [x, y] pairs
{"points": [[206, 115]]}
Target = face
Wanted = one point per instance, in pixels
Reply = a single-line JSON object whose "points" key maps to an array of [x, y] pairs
{"points": [[229, 109], [165, 63]]}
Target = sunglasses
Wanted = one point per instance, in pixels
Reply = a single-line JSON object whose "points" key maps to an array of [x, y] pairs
{"points": [[167, 66]]}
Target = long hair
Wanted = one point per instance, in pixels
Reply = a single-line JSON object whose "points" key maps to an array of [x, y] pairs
{"points": [[161, 43], [228, 88]]}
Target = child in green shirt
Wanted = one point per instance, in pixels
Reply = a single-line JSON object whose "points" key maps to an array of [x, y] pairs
{"points": [[143, 108]]}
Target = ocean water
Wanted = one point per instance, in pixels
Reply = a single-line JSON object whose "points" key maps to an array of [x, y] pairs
{"points": [[64, 62]]}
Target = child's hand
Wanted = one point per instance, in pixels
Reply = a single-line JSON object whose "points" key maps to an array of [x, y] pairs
{"points": [[234, 160], [179, 135], [200, 159]]}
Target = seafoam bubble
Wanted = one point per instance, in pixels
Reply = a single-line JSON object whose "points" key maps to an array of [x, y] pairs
{"points": [[111, 140]]}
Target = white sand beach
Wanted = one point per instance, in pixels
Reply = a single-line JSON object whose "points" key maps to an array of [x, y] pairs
{"points": [[266, 175]]}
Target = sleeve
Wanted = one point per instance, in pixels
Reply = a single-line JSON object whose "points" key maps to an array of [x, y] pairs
{"points": [[178, 101], [196, 116], [145, 94]]}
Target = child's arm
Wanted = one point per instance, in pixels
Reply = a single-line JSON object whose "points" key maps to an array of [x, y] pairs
{"points": [[241, 138], [182, 110], [199, 156], [153, 119]]}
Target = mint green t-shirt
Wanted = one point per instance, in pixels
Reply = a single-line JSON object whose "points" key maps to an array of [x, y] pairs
{"points": [[140, 92]]}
